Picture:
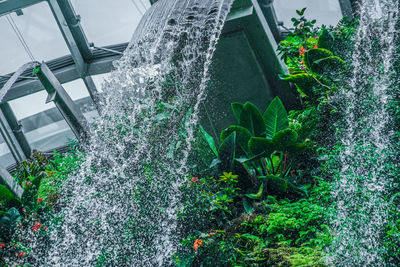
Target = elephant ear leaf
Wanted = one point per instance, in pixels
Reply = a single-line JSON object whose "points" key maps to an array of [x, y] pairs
{"points": [[257, 195], [210, 141], [260, 145], [304, 82], [242, 138], [248, 207], [227, 152], [326, 40], [275, 118], [251, 119], [312, 56], [284, 139], [237, 109], [275, 184]]}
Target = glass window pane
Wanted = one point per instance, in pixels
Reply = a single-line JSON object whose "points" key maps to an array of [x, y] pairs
{"points": [[326, 12], [12, 53], [43, 125], [112, 22], [40, 32], [78, 92], [6, 158], [27, 106]]}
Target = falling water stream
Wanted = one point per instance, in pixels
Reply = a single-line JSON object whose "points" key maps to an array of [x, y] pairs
{"points": [[364, 178], [120, 208]]}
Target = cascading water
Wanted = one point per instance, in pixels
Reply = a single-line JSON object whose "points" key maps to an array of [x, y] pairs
{"points": [[120, 208], [366, 157]]}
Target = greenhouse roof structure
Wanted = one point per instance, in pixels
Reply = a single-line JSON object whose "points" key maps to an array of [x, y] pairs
{"points": [[79, 43]]}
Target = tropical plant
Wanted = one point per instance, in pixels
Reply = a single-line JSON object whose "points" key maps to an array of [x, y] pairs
{"points": [[263, 146], [8, 224]]}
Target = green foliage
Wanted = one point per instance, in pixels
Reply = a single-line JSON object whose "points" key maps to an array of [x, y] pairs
{"points": [[314, 57], [275, 118], [275, 233], [8, 224], [260, 146], [251, 119], [7, 199]]}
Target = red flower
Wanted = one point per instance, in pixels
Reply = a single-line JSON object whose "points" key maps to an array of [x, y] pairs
{"points": [[36, 227], [39, 200], [197, 243], [302, 50], [212, 232], [2, 245], [45, 228], [194, 180], [315, 47]]}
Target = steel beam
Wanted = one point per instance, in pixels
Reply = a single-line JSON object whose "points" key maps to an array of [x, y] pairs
{"points": [[72, 44], [16, 128], [93, 92], [9, 6], [64, 74], [267, 7], [10, 139], [347, 10], [69, 110], [74, 24], [14, 187]]}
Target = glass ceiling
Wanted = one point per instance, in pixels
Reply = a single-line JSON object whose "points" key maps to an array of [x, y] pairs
{"points": [[327, 12], [38, 30], [111, 22]]}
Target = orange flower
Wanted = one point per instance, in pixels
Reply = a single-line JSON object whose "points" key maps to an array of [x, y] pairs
{"points": [[302, 50], [194, 180], [197, 243]]}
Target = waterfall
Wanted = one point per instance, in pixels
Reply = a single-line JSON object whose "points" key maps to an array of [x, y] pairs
{"points": [[366, 153], [120, 208]]}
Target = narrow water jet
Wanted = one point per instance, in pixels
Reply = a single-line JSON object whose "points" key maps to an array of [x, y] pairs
{"points": [[120, 208], [366, 137]]}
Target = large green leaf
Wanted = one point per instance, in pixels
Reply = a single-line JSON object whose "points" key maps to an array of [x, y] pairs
{"points": [[311, 56], [326, 40], [331, 65], [305, 83], [227, 152], [261, 145], [210, 141], [284, 139], [257, 195], [237, 109], [275, 118], [251, 119], [275, 184], [8, 223], [242, 138], [248, 207]]}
